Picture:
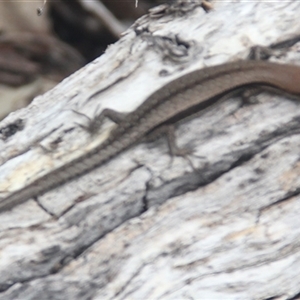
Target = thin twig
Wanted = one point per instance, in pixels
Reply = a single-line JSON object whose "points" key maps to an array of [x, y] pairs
{"points": [[105, 16], [40, 9]]}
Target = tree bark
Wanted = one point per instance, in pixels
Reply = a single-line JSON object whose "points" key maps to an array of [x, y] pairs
{"points": [[222, 224]]}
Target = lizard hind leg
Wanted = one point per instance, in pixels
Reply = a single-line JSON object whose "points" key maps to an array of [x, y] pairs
{"points": [[169, 132], [173, 147]]}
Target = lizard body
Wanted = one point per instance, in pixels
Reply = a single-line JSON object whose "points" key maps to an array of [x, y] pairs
{"points": [[180, 98]]}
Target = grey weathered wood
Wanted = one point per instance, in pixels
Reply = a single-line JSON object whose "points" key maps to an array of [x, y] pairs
{"points": [[146, 226]]}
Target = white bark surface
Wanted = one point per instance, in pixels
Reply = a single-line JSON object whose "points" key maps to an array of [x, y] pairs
{"points": [[145, 225]]}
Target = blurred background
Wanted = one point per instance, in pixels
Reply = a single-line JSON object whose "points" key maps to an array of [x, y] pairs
{"points": [[41, 44]]}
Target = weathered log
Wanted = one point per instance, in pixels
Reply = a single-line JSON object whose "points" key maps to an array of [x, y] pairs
{"points": [[222, 224]]}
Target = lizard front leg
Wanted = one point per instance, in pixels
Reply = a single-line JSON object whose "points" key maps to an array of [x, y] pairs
{"points": [[94, 124]]}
